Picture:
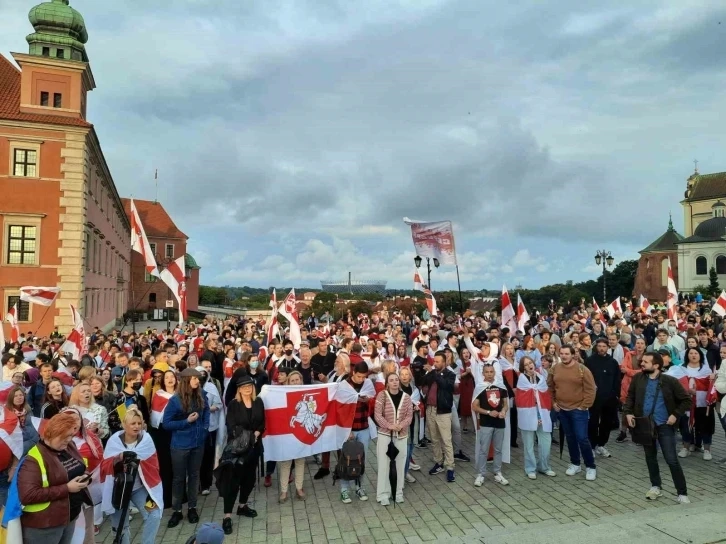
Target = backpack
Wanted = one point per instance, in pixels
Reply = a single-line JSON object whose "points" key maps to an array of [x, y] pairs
{"points": [[351, 461]]}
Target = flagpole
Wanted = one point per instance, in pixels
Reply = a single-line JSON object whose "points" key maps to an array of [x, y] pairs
{"points": [[461, 300]]}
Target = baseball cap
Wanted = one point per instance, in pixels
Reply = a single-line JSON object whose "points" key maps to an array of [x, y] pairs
{"points": [[210, 533]]}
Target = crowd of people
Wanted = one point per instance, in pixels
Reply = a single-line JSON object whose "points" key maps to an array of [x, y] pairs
{"points": [[185, 404]]}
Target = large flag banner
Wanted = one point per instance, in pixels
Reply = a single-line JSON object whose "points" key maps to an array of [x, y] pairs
{"points": [[720, 306], [434, 239], [76, 343], [614, 308], [508, 317], [288, 310], [522, 314], [303, 420], [12, 318], [672, 302], [174, 276], [140, 243], [44, 296]]}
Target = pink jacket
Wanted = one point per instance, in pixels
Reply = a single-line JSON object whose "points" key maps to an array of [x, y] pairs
{"points": [[385, 414]]}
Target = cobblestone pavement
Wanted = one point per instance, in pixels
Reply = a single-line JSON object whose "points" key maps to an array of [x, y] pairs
{"points": [[458, 512]]}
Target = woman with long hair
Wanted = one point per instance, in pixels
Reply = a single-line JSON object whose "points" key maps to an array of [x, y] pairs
{"points": [[101, 395], [245, 413], [160, 435], [187, 418], [17, 403], [94, 414], [402, 358], [466, 389], [108, 382], [409, 387], [629, 368], [294, 378], [55, 399], [553, 350], [528, 348]]}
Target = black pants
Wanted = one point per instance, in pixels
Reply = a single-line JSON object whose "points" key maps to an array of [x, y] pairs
{"points": [[270, 468], [205, 473], [602, 416], [667, 440], [513, 422], [244, 481]]}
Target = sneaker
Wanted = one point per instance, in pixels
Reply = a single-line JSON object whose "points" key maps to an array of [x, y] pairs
{"points": [[96, 530], [684, 452], [385, 502], [399, 499], [551, 473], [450, 477], [410, 479], [531, 476], [653, 493], [176, 517], [227, 526], [602, 451], [622, 437], [321, 473], [479, 481], [707, 455], [268, 481], [461, 457], [205, 492], [345, 497], [683, 499], [192, 515], [573, 469], [590, 474], [436, 469], [414, 467], [360, 492], [500, 479]]}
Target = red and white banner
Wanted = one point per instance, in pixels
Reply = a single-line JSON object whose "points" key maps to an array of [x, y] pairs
{"points": [[76, 343], [418, 284], [522, 315], [645, 305], [12, 318], [148, 469], [288, 310], [595, 306], [672, 302], [174, 276], [614, 308], [44, 296], [430, 302], [303, 420], [720, 306], [531, 399], [509, 319], [158, 405], [694, 378], [5, 388], [11, 433], [273, 329], [434, 239], [140, 243]]}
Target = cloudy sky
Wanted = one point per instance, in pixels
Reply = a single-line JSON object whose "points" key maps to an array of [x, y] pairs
{"points": [[292, 136]]}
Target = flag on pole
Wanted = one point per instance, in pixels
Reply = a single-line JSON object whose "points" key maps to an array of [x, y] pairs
{"points": [[614, 308], [430, 302], [288, 310], [418, 285], [595, 306], [304, 420], [174, 276], [273, 329], [720, 306], [508, 317], [645, 305], [76, 344], [140, 243], [522, 315], [672, 302], [44, 296], [434, 239], [12, 318]]}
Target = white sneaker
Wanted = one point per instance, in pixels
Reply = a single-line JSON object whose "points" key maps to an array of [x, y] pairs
{"points": [[573, 469], [707, 455], [684, 452], [590, 474], [410, 479], [683, 499], [414, 467], [532, 476], [385, 502], [551, 473], [479, 481], [500, 479], [602, 451], [653, 493]]}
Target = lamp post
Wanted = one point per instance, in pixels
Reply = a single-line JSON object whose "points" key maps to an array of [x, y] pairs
{"points": [[605, 257], [417, 261]]}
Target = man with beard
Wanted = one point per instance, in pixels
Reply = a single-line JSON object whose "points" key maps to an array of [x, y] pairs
{"points": [[663, 398], [604, 412]]}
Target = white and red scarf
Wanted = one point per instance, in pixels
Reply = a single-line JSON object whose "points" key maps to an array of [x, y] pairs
{"points": [[531, 399], [158, 405]]}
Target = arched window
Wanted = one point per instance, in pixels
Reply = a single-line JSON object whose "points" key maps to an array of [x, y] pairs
{"points": [[647, 264], [721, 264], [664, 272], [701, 266]]}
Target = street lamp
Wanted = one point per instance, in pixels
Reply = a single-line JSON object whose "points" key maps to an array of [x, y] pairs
{"points": [[417, 261], [605, 258]]}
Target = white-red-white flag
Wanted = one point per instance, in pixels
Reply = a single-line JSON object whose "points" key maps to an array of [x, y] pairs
{"points": [[174, 276], [76, 343], [720, 306], [430, 302], [672, 302], [645, 305], [304, 420], [288, 310], [12, 318], [140, 243], [44, 296], [273, 328], [418, 284], [158, 405], [522, 315], [595, 306], [509, 319], [614, 307]]}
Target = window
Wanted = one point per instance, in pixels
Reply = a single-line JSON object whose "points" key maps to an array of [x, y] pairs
{"points": [[153, 250], [23, 308], [60, 53], [88, 251], [701, 266], [25, 163], [46, 51], [169, 251], [721, 264], [152, 298], [57, 100], [44, 98], [22, 244], [664, 272], [148, 278]]}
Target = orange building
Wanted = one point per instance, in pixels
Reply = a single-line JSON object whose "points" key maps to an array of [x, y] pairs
{"points": [[168, 243], [62, 220]]}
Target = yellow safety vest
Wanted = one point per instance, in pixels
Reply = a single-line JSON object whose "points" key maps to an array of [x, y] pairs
{"points": [[35, 454]]}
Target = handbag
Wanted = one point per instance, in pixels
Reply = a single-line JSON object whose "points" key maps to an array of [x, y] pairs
{"points": [[644, 431], [240, 445]]}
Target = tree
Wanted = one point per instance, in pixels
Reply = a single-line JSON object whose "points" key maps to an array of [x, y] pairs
{"points": [[324, 302], [214, 296], [713, 287]]}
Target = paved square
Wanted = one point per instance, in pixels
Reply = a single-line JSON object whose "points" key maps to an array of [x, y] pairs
{"points": [[459, 512]]}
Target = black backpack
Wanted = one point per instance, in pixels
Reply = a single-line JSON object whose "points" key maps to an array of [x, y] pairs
{"points": [[351, 461]]}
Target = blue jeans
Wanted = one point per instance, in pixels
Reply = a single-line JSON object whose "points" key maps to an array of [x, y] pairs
{"points": [[691, 436], [574, 424], [151, 519], [544, 443], [408, 457], [667, 440], [363, 437]]}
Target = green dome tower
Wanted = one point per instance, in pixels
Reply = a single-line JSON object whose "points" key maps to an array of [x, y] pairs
{"points": [[60, 31]]}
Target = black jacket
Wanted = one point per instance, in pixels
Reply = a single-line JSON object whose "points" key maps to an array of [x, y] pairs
{"points": [[712, 353], [677, 399], [445, 388], [606, 372]]}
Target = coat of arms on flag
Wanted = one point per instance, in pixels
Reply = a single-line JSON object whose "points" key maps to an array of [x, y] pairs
{"points": [[307, 417]]}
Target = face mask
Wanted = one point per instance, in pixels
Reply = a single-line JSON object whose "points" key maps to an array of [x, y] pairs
{"points": [[203, 379], [672, 330], [254, 364], [288, 352], [136, 386]]}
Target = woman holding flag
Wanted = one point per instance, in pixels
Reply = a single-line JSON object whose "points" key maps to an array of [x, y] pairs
{"points": [[161, 436]]}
